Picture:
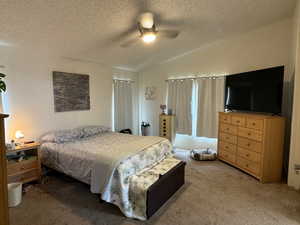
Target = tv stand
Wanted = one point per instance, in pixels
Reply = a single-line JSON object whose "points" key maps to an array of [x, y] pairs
{"points": [[252, 143]]}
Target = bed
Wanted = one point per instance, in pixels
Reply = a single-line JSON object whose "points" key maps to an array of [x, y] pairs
{"points": [[132, 172]]}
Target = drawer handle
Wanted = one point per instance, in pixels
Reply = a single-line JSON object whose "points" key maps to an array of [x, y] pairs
{"points": [[247, 155], [249, 134], [247, 165], [227, 138], [238, 121], [253, 124], [226, 147], [227, 129], [248, 144]]}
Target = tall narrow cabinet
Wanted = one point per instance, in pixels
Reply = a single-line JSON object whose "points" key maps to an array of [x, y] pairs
{"points": [[252, 143], [3, 175], [167, 127]]}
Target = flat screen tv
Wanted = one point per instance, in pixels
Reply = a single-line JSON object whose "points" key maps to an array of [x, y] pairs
{"points": [[256, 91]]}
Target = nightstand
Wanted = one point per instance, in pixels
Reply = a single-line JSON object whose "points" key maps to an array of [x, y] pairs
{"points": [[27, 170]]}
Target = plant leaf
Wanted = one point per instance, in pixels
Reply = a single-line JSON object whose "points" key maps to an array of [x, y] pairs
{"points": [[2, 86], [2, 75]]}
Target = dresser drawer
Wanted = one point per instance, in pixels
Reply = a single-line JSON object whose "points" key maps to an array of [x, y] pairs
{"points": [[250, 133], [252, 167], [164, 122], [225, 146], [24, 177], [226, 156], [166, 135], [225, 118], [228, 138], [257, 124], [252, 156], [238, 120], [228, 128], [249, 144], [164, 130], [21, 166]]}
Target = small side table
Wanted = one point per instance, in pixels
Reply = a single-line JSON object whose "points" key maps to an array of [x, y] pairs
{"points": [[26, 170]]}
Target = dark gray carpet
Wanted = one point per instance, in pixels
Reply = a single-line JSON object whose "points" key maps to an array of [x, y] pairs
{"points": [[214, 194]]}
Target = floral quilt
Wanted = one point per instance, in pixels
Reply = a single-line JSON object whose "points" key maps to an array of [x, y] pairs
{"points": [[77, 159]]}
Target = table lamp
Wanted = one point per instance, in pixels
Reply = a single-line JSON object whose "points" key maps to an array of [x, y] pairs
{"points": [[19, 136]]}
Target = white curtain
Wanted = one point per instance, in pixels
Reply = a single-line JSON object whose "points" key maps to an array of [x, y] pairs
{"points": [[180, 101], [122, 105], [210, 102]]}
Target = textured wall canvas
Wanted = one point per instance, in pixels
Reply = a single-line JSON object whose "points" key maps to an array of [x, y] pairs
{"points": [[71, 91]]}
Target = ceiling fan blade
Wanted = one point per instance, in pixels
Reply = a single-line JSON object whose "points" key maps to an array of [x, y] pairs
{"points": [[162, 20], [124, 34], [172, 34], [130, 42]]}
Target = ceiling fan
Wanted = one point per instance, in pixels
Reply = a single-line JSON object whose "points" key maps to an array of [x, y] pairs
{"points": [[148, 31]]}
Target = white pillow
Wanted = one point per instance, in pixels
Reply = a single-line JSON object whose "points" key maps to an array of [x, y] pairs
{"points": [[68, 135], [89, 131]]}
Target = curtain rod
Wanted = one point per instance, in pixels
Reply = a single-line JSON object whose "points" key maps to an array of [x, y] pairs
{"points": [[124, 80], [195, 78]]}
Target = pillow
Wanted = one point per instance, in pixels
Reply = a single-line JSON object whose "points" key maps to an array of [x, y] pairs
{"points": [[89, 131], [68, 135], [47, 137], [61, 136]]}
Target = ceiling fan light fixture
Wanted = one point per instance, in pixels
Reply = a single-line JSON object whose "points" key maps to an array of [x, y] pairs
{"points": [[149, 37], [147, 20]]}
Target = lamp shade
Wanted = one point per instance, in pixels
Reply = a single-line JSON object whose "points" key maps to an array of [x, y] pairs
{"points": [[19, 134], [147, 20]]}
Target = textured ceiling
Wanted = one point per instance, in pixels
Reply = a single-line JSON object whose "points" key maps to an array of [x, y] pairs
{"points": [[91, 29]]}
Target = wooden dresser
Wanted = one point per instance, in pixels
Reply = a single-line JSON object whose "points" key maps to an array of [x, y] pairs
{"points": [[167, 127], [27, 170], [3, 177], [253, 143]]}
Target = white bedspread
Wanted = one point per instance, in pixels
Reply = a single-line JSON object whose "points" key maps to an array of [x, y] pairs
{"points": [[106, 162], [124, 146]]}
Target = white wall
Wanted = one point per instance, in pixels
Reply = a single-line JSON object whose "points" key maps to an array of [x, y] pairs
{"points": [[29, 97], [294, 178], [265, 47]]}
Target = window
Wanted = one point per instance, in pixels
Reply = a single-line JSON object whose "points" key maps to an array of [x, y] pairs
{"points": [[196, 103], [122, 105]]}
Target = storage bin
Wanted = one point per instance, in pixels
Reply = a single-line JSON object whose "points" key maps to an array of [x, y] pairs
{"points": [[14, 194]]}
